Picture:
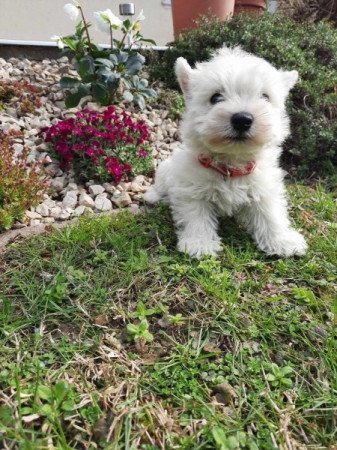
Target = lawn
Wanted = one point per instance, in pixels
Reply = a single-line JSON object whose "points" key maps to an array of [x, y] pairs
{"points": [[110, 339]]}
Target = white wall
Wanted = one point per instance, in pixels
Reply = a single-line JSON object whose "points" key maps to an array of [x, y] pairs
{"points": [[38, 20]]}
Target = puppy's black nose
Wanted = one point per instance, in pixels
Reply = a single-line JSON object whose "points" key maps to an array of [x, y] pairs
{"points": [[242, 121]]}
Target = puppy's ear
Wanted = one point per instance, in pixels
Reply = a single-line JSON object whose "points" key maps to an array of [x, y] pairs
{"points": [[183, 72], [289, 78]]}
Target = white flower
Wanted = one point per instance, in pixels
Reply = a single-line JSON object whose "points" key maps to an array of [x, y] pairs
{"points": [[106, 20], [58, 40], [72, 11], [140, 16]]}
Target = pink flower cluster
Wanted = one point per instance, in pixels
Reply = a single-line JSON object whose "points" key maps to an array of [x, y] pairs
{"points": [[104, 144]]}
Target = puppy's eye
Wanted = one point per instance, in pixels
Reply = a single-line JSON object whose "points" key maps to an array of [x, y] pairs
{"points": [[266, 96], [216, 98]]}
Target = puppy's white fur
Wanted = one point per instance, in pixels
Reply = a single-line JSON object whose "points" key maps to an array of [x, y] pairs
{"points": [[199, 195]]}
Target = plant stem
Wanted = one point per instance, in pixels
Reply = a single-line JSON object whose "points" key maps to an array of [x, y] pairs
{"points": [[111, 41], [85, 25]]}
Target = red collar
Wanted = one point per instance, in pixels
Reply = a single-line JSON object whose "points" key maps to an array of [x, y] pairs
{"points": [[226, 171]]}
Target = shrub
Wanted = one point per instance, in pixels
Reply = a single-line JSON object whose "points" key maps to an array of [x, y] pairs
{"points": [[309, 48], [21, 187], [21, 94], [312, 10], [106, 145], [107, 75]]}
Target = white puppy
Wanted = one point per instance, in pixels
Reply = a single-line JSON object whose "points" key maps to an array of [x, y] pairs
{"points": [[234, 124]]}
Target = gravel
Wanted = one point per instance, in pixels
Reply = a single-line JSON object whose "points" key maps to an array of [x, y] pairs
{"points": [[66, 199]]}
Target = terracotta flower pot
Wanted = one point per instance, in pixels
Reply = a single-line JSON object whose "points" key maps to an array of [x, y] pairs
{"points": [[185, 12], [255, 7]]}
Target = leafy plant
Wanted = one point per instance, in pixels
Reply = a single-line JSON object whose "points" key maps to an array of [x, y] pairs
{"points": [[235, 441], [24, 96], [21, 187], [108, 75], [309, 48], [104, 145], [279, 376], [140, 331]]}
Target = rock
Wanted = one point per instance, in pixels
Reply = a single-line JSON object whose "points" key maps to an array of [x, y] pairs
{"points": [[17, 149], [70, 200], [86, 200], [121, 199], [33, 215], [49, 202], [43, 210], [49, 220], [135, 187], [102, 203], [58, 183], [79, 210], [34, 222], [72, 187], [139, 179], [96, 189], [64, 215], [55, 212], [109, 187]]}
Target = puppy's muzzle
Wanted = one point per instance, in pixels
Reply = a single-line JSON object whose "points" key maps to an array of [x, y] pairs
{"points": [[241, 122]]}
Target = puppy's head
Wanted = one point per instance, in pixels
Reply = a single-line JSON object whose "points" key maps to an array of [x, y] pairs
{"points": [[234, 103]]}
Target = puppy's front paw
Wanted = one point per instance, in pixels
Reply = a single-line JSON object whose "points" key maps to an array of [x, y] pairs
{"points": [[151, 195], [197, 248], [287, 244]]}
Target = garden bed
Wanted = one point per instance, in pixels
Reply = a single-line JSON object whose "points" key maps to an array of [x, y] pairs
{"points": [[67, 199]]}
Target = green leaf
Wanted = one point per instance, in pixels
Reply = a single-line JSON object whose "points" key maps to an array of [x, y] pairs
{"points": [[6, 414], [286, 370], [68, 405], [270, 377], [44, 392], [86, 68], [105, 62], [287, 382], [68, 82], [219, 436], [150, 41], [60, 390], [73, 99], [140, 101], [100, 93], [46, 410], [133, 329], [71, 43], [127, 96], [149, 93]]}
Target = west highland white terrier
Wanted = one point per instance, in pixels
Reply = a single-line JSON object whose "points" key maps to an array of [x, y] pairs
{"points": [[234, 124]]}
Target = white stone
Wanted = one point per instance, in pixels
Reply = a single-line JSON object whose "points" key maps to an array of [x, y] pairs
{"points": [[34, 222], [70, 200], [121, 199], [55, 212], [86, 200], [72, 187], [58, 183], [102, 203], [17, 149], [79, 210], [135, 187], [49, 202], [109, 187], [33, 215], [96, 189], [43, 210], [49, 220], [64, 215]]}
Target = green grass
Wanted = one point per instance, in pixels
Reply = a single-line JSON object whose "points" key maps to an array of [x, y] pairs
{"points": [[110, 339]]}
